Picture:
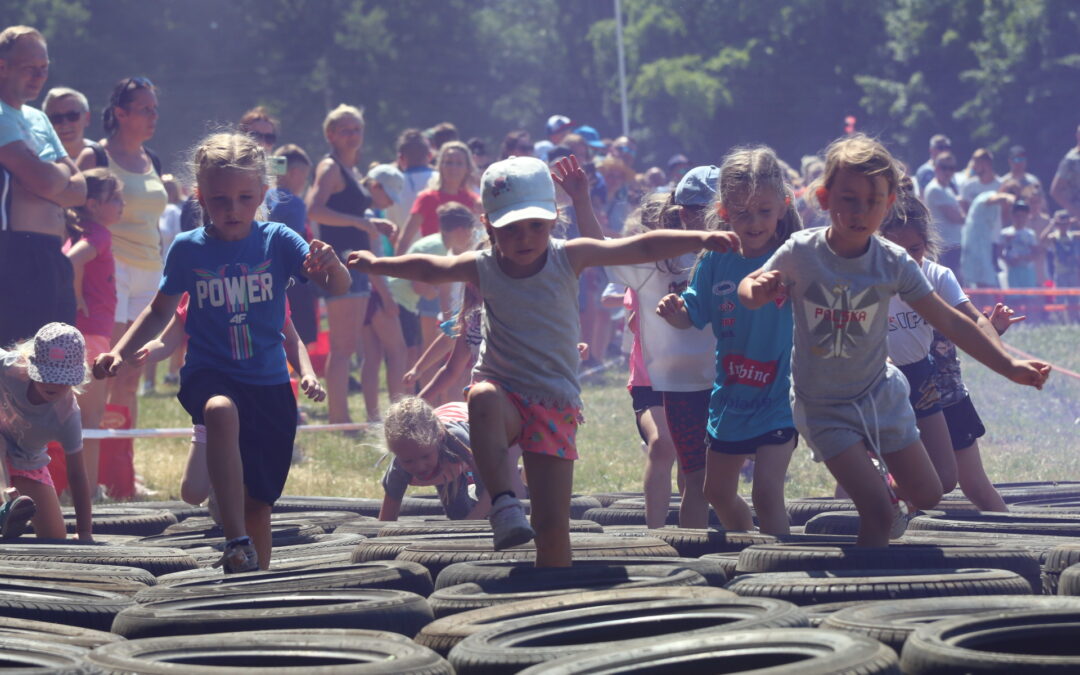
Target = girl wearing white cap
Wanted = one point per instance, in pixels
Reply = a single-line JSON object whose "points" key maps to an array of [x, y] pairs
{"points": [[526, 388], [38, 379]]}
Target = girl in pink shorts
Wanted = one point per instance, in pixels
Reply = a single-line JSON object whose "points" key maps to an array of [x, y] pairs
{"points": [[526, 387]]}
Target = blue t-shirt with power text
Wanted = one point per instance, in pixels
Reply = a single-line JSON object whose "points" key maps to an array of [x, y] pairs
{"points": [[750, 396], [237, 306]]}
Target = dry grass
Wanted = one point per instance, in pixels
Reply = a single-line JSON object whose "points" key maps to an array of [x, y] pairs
{"points": [[1033, 435]]}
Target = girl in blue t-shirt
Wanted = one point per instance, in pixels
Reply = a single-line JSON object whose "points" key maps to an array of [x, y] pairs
{"points": [[749, 412], [235, 380]]}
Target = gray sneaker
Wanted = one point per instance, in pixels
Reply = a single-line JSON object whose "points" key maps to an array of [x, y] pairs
{"points": [[15, 516], [900, 520], [511, 527], [239, 556]]}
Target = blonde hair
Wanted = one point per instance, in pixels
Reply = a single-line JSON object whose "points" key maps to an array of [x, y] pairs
{"points": [[11, 35], [861, 154], [412, 419], [57, 93], [339, 113], [435, 182], [230, 150], [743, 172]]}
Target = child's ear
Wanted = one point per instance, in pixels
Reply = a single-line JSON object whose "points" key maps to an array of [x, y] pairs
{"points": [[892, 199], [822, 195], [721, 211]]}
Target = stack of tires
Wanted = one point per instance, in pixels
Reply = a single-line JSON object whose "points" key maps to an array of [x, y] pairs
{"points": [[962, 592]]}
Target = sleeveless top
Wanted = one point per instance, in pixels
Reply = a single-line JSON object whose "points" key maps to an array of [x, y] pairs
{"points": [[136, 238], [531, 329], [355, 201]]}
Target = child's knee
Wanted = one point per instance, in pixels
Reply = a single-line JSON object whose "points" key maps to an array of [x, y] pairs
{"points": [[483, 396], [219, 409]]}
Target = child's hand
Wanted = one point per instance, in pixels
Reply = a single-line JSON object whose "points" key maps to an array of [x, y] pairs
{"points": [[320, 258], [384, 226], [721, 242], [309, 384], [1001, 317], [670, 305], [571, 177], [1031, 373], [107, 364], [152, 351], [410, 376], [583, 350], [766, 286], [361, 261]]}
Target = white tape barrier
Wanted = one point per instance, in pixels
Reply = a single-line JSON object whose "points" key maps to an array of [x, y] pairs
{"points": [[101, 434]]}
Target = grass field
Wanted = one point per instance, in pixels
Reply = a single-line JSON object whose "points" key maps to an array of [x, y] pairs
{"points": [[1032, 435]]}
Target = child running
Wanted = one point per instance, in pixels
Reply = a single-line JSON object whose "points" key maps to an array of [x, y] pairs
{"points": [[678, 367], [235, 381], [955, 455], [526, 388], [749, 410], [90, 251], [38, 380], [847, 399]]}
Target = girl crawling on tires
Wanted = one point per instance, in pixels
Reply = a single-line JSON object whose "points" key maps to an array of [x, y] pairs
{"points": [[431, 447], [38, 382]]}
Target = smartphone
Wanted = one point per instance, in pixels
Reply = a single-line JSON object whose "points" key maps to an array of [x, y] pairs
{"points": [[278, 165]]}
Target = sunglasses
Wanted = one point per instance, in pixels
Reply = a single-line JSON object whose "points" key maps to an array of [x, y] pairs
{"points": [[269, 139], [70, 117]]}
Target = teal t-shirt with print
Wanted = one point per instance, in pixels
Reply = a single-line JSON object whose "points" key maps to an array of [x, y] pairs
{"points": [[750, 396]]}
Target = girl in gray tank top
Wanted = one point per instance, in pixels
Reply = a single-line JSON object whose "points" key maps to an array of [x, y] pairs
{"points": [[526, 388]]}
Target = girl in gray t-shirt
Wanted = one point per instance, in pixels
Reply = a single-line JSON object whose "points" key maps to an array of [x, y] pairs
{"points": [[847, 400]]}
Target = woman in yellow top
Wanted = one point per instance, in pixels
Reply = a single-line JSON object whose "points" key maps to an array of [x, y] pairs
{"points": [[129, 121]]}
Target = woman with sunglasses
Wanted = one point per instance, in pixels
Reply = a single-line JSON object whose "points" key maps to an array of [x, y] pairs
{"points": [[130, 119], [258, 124], [69, 112]]}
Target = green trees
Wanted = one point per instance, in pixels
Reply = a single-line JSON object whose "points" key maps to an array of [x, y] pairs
{"points": [[703, 75]]}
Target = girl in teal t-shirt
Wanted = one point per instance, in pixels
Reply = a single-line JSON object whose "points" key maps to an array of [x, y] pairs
{"points": [[749, 409]]}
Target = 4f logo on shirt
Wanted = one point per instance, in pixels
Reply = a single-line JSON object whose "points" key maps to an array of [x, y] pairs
{"points": [[837, 318], [238, 318]]}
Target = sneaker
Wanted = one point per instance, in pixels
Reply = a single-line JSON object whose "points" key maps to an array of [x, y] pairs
{"points": [[508, 521], [901, 516], [171, 378], [239, 556], [15, 516], [146, 388]]}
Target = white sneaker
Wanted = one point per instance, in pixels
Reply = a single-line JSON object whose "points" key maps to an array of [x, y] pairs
{"points": [[511, 527], [900, 520]]}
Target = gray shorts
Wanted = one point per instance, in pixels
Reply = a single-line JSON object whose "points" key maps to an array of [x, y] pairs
{"points": [[830, 427]]}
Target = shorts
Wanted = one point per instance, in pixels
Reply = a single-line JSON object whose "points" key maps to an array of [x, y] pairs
{"points": [[545, 429], [643, 398], [410, 326], [95, 346], [344, 241], [135, 290], [965, 425], [687, 414], [428, 307], [924, 397], [40, 475], [37, 285], [267, 426], [373, 306], [831, 427], [749, 446]]}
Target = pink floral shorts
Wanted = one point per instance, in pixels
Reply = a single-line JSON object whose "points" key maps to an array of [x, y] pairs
{"points": [[41, 475], [546, 430]]}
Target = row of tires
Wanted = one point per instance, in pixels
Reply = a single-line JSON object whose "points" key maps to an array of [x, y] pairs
{"points": [[636, 600]]}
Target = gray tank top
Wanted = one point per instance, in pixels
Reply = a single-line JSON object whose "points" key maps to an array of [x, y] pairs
{"points": [[531, 329]]}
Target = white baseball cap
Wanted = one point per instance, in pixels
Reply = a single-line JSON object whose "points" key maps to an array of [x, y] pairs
{"points": [[59, 356], [390, 178], [518, 188]]}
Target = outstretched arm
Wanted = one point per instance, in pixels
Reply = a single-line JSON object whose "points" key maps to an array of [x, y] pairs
{"points": [[759, 288], [146, 327], [430, 269], [967, 336], [323, 267], [572, 178], [648, 247]]}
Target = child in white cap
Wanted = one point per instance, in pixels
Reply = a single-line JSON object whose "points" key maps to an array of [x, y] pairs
{"points": [[526, 387], [38, 379]]}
